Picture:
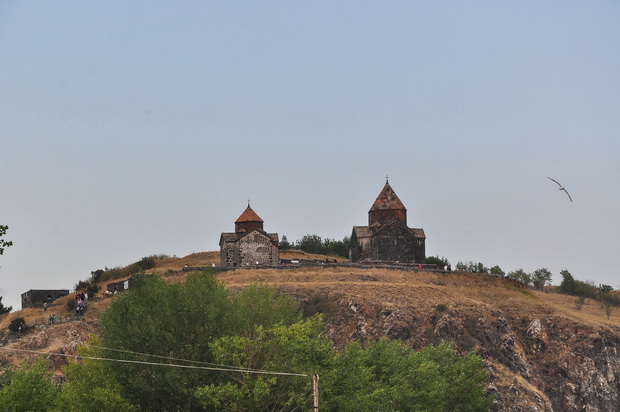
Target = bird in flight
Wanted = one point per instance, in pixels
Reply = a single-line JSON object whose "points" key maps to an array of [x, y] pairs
{"points": [[561, 188]]}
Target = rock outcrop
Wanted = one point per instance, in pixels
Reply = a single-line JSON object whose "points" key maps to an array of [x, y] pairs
{"points": [[540, 363]]}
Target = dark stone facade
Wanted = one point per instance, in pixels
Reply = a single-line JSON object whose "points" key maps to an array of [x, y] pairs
{"points": [[387, 236], [41, 296], [249, 244]]}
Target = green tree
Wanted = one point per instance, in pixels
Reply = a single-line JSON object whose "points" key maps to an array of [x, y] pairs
{"points": [[386, 375], [90, 385], [444, 381], [587, 289], [389, 376], [299, 348], [471, 266], [334, 247], [521, 275], [310, 244], [174, 320], [4, 243], [262, 306], [29, 389], [436, 260], [568, 285], [541, 278], [4, 309], [496, 270], [285, 244]]}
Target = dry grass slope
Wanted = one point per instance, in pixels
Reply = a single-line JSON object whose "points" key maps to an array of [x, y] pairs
{"points": [[386, 288]]}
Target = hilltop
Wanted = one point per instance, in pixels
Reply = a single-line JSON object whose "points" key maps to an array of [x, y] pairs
{"points": [[541, 353]]}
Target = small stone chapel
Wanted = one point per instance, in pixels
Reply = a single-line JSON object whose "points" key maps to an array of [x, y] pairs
{"points": [[249, 244], [387, 236]]}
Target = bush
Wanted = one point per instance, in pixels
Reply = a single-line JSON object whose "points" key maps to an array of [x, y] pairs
{"points": [[314, 244], [522, 276], [320, 303], [579, 302], [71, 304], [16, 323], [441, 308], [92, 290], [147, 263], [436, 260], [586, 289]]}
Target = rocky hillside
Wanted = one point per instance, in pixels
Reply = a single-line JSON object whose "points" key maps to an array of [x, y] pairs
{"points": [[542, 354]]}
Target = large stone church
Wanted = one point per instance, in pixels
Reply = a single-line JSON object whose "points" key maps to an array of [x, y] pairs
{"points": [[249, 244], [387, 236]]}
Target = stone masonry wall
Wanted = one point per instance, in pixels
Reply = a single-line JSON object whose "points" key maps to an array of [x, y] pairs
{"points": [[256, 247]]}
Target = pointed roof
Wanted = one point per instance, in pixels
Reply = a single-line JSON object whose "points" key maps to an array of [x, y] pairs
{"points": [[387, 200], [249, 216]]}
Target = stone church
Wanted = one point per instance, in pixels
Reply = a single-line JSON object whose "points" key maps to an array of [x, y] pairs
{"points": [[249, 244], [387, 236]]}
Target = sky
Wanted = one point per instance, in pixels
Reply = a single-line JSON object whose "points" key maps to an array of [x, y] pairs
{"points": [[129, 129]]}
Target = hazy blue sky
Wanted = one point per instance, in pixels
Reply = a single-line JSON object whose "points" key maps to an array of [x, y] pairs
{"points": [[136, 128]]}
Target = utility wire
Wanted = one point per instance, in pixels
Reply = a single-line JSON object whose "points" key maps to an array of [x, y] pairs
{"points": [[176, 359], [157, 364]]}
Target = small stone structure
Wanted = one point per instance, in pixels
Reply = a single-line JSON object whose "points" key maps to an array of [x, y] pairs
{"points": [[249, 244], [123, 285], [41, 296], [120, 286], [387, 236]]}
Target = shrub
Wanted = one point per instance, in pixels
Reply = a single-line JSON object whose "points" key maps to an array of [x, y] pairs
{"points": [[147, 263], [16, 323], [586, 289], [608, 307], [320, 303], [579, 302], [522, 276], [441, 308], [436, 260], [92, 290]]}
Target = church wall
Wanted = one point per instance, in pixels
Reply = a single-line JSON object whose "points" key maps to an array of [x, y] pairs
{"points": [[420, 250], [395, 243], [228, 254], [256, 247], [359, 246]]}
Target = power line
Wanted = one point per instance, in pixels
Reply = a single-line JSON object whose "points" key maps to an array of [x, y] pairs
{"points": [[221, 369], [175, 359]]}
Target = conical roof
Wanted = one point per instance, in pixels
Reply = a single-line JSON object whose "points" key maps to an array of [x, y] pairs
{"points": [[387, 200], [249, 216]]}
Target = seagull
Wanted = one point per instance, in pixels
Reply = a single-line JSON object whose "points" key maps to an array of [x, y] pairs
{"points": [[561, 188]]}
